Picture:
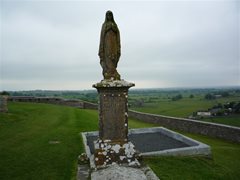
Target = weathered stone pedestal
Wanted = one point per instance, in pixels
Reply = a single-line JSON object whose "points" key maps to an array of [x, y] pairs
{"points": [[3, 103], [113, 145]]}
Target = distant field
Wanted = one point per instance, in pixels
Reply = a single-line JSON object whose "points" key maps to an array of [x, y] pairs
{"points": [[186, 106], [159, 101], [41, 141], [232, 120]]}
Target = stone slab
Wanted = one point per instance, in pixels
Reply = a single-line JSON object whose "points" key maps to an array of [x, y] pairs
{"points": [[155, 141], [116, 172], [83, 172]]}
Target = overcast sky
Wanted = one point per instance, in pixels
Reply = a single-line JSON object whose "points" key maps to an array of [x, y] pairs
{"points": [[54, 44]]}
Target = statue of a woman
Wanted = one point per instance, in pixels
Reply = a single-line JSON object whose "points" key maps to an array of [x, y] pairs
{"points": [[110, 48]]}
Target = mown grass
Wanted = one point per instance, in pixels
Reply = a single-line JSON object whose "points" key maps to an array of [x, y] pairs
{"points": [[25, 151], [224, 163]]}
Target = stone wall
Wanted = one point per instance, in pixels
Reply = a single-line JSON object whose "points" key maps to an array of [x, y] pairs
{"points": [[88, 105], [229, 133], [48, 100]]}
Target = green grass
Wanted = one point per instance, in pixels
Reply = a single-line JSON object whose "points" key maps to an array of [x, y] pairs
{"points": [[25, 132], [186, 106], [232, 120], [25, 152], [134, 123], [224, 164], [181, 108]]}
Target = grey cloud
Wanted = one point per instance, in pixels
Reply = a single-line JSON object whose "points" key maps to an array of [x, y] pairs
{"points": [[163, 43]]}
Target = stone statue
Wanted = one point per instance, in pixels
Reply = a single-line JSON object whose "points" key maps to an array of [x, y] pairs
{"points": [[109, 48]]}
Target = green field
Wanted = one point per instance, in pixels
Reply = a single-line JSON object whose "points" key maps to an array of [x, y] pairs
{"points": [[40, 141], [186, 106], [160, 101]]}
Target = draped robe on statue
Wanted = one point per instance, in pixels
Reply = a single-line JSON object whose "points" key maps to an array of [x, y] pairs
{"points": [[109, 49]]}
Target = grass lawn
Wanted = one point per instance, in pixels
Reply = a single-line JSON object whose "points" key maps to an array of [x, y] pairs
{"points": [[42, 141], [25, 133], [224, 164]]}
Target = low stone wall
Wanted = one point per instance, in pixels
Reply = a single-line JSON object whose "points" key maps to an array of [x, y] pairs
{"points": [[229, 133], [48, 100], [88, 105]]}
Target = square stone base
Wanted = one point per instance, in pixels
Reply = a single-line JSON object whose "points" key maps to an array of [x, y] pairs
{"points": [[3, 103], [107, 153]]}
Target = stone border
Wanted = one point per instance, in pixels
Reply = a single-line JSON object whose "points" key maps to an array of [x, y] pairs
{"points": [[196, 147], [86, 147]]}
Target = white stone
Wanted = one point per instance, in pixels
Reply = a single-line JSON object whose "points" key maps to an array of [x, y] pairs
{"points": [[107, 140], [113, 83], [129, 150], [134, 163], [116, 148], [122, 157]]}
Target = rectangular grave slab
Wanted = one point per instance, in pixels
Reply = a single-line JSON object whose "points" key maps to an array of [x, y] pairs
{"points": [[153, 142]]}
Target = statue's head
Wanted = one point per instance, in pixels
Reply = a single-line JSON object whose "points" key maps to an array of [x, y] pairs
{"points": [[109, 16]]}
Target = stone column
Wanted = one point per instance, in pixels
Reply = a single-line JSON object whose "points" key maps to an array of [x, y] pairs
{"points": [[113, 145]]}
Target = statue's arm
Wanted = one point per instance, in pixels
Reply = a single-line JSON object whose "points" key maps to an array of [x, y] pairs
{"points": [[119, 43], [101, 45]]}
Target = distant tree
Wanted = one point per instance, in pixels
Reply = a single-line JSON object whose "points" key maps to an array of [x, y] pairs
{"points": [[4, 93], [225, 94], [177, 97], [209, 96], [191, 96]]}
